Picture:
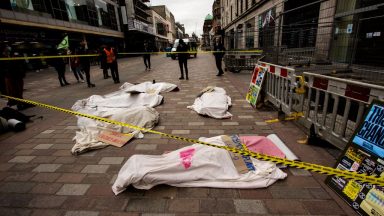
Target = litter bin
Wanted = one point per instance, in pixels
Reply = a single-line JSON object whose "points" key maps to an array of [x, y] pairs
{"points": [[168, 50]]}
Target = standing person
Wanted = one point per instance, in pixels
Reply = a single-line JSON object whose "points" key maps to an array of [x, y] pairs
{"points": [[103, 62], [59, 65], [183, 58], [75, 66], [13, 73], [219, 50], [147, 56], [111, 54], [85, 63]]}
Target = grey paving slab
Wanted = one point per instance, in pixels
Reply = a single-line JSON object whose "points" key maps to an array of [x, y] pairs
{"points": [[250, 206], [82, 213], [43, 146], [146, 205], [47, 168], [111, 160], [299, 172], [73, 189], [21, 159], [181, 132], [95, 169], [230, 123]]}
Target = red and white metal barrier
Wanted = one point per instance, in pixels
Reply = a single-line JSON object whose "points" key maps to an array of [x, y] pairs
{"points": [[335, 106], [280, 85]]}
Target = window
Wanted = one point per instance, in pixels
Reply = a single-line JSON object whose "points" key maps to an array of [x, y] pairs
{"points": [[267, 28], [249, 33], [246, 4], [59, 10], [112, 15], [241, 7], [231, 12]]}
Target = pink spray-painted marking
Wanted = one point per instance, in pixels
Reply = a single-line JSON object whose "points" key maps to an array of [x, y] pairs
{"points": [[186, 157]]}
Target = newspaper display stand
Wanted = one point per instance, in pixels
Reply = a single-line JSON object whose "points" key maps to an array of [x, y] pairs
{"points": [[363, 154]]}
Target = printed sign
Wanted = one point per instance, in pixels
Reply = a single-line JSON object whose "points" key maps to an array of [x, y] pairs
{"points": [[255, 85], [364, 154], [114, 138], [243, 164]]}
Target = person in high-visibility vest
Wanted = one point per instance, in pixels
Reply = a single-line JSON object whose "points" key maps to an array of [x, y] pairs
{"points": [[110, 54]]}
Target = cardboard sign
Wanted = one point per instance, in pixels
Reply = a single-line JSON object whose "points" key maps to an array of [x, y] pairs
{"points": [[114, 138], [363, 154], [243, 164], [255, 85]]}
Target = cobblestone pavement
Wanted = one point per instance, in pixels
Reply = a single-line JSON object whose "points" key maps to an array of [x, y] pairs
{"points": [[39, 176]]}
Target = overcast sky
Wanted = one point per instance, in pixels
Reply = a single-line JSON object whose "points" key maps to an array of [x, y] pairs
{"points": [[191, 13]]}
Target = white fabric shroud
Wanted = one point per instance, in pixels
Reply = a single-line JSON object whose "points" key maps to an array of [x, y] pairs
{"points": [[194, 166], [149, 87], [136, 109], [213, 102]]}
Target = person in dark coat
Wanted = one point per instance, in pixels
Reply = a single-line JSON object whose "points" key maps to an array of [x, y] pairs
{"points": [[103, 62], [111, 58], [183, 58], [59, 65], [85, 63], [75, 66], [219, 50], [13, 73], [147, 56]]}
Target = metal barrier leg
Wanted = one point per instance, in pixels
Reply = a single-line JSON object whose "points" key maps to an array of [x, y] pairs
{"points": [[345, 117], [334, 113], [315, 120], [307, 114], [325, 108]]}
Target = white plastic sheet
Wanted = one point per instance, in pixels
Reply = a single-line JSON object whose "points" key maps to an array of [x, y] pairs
{"points": [[194, 166], [135, 108], [214, 102]]}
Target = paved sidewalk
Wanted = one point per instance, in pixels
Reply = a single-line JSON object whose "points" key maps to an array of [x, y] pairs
{"points": [[39, 176]]}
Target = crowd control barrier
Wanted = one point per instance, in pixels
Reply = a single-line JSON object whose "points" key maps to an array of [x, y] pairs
{"points": [[334, 106], [296, 56], [279, 86], [236, 61]]}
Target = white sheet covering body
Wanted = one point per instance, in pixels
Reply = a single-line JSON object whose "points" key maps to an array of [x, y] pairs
{"points": [[86, 138], [194, 166], [214, 103], [134, 108], [149, 87]]}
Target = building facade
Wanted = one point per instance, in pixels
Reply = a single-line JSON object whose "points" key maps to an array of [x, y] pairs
{"points": [[138, 24], [46, 22], [207, 27], [358, 33], [341, 31], [164, 12], [161, 26], [180, 30], [216, 24]]}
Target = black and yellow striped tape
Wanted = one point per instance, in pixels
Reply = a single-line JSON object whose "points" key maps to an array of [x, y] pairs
{"points": [[297, 164], [125, 53]]}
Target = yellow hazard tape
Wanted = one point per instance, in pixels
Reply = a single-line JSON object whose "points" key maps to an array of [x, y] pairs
{"points": [[125, 53], [293, 116], [297, 164]]}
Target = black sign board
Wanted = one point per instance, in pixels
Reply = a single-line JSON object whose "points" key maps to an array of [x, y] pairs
{"points": [[364, 154]]}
